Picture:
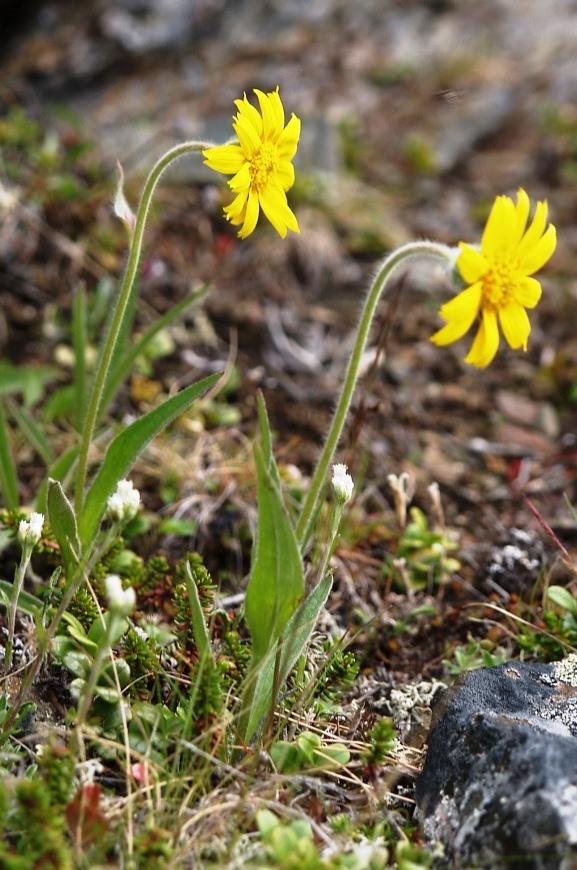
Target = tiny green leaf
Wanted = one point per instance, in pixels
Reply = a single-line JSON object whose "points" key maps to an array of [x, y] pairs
{"points": [[563, 598]]}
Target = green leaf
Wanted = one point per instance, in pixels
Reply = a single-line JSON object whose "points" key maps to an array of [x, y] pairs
{"points": [[286, 757], [562, 598], [26, 380], [257, 696], [99, 629], [266, 437], [79, 341], [60, 404], [33, 433], [78, 662], [266, 821], [57, 471], [123, 367], [125, 449], [199, 629], [27, 603], [276, 583], [8, 476], [63, 522], [176, 526]]}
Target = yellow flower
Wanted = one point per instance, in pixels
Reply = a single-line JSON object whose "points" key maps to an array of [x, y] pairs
{"points": [[499, 278], [260, 164]]}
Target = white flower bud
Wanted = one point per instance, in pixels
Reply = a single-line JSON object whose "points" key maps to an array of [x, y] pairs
{"points": [[342, 482], [124, 503], [30, 531], [120, 601], [120, 205]]}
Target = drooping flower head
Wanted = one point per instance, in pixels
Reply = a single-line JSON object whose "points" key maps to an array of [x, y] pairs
{"points": [[260, 164], [500, 279]]}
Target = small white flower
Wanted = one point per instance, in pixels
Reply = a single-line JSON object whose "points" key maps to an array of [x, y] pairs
{"points": [[342, 482], [120, 601], [30, 531], [124, 503]]}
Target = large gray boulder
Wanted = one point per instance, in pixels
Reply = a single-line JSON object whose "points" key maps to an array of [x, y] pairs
{"points": [[499, 785]]}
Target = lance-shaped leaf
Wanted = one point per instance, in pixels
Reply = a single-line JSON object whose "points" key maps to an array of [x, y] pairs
{"points": [[125, 448], [276, 583], [257, 697], [63, 522]]}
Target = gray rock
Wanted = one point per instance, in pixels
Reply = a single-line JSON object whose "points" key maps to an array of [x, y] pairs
{"points": [[499, 785]]}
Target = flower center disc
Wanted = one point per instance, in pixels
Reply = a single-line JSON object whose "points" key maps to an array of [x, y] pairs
{"points": [[263, 163], [497, 283]]}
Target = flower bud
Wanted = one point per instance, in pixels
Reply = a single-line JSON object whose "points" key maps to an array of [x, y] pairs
{"points": [[124, 503], [30, 531], [120, 601], [342, 482]]}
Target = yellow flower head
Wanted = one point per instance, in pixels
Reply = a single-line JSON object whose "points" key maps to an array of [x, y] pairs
{"points": [[260, 164], [499, 278]]}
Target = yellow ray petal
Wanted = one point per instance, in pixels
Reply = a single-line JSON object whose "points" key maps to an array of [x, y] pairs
{"points": [[285, 174], [249, 139], [241, 181], [464, 306], [288, 139], [269, 117], [522, 209], [499, 232], [471, 263], [274, 204], [451, 332], [536, 258], [278, 108], [235, 211], [224, 158], [250, 113], [527, 292], [534, 231], [251, 215], [486, 341], [515, 325]]}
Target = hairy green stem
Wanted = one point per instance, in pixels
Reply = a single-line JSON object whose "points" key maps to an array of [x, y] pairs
{"points": [[90, 685], [119, 313], [19, 576], [390, 263]]}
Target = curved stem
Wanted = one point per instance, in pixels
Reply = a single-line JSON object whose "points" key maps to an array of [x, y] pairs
{"points": [[119, 314], [390, 263]]}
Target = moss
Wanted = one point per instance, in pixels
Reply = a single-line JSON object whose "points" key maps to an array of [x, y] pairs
{"points": [[84, 608], [143, 657], [33, 829]]}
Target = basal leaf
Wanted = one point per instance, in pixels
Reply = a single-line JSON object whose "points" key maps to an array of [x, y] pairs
{"points": [[276, 583], [63, 522], [257, 697], [8, 476], [125, 448]]}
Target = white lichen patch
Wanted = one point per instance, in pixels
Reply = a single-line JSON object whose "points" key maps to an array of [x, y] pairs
{"points": [[566, 670], [412, 703]]}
